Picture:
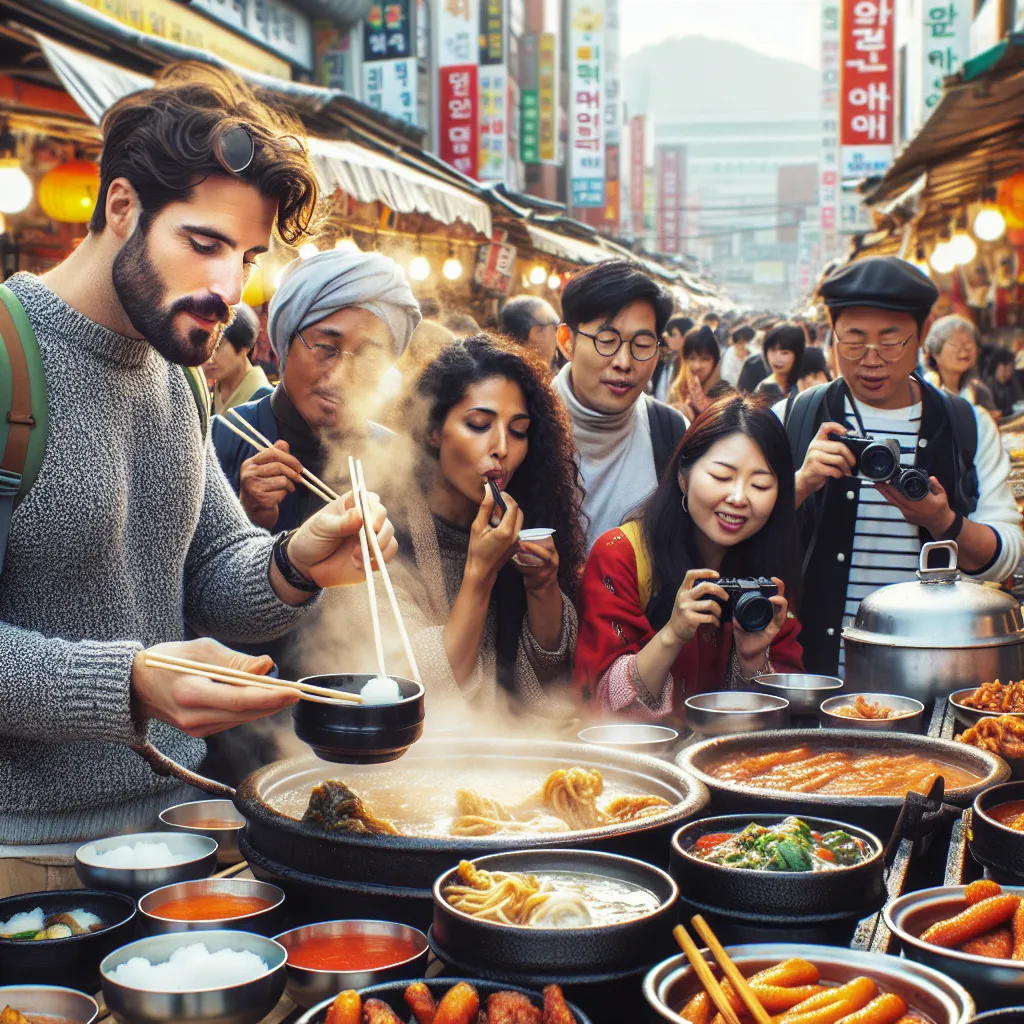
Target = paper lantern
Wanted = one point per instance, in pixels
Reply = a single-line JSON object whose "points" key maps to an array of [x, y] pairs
{"points": [[68, 192], [1011, 200], [255, 293]]}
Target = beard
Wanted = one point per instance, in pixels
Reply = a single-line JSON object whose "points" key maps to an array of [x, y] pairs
{"points": [[140, 290]]}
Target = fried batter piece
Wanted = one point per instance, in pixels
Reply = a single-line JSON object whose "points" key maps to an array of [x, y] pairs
{"points": [[459, 1005], [421, 1002], [863, 708], [377, 1012], [1003, 735], [972, 922], [1017, 927], [9, 1015], [511, 1008], [980, 890], [996, 944], [886, 1009], [334, 807], [555, 1010], [347, 1008], [997, 696], [633, 808]]}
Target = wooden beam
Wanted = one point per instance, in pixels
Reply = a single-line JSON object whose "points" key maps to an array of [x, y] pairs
{"points": [[27, 96]]}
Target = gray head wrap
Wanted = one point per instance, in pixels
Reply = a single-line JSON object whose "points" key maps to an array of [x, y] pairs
{"points": [[312, 289]]}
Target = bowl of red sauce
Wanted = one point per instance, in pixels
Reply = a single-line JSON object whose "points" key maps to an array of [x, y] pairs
{"points": [[238, 904], [217, 819], [332, 956]]}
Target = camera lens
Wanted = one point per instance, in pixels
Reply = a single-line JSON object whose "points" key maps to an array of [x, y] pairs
{"points": [[914, 484], [877, 462], [753, 612]]}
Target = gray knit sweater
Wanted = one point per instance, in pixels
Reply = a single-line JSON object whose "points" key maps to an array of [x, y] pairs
{"points": [[129, 531]]}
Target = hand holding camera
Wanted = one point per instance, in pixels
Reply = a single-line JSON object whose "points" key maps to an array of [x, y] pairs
{"points": [[827, 459], [766, 603], [752, 605], [879, 462]]}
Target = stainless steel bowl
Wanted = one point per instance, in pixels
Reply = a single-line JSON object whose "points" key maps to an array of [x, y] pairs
{"points": [[636, 737], [972, 716], [136, 882], [732, 711], [671, 983], [247, 1003], [262, 922], [910, 713], [804, 692], [306, 986], [50, 1001], [189, 817], [993, 983]]}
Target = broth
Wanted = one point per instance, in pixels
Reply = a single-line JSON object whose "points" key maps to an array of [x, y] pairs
{"points": [[354, 952], [1010, 814], [210, 906], [214, 823], [840, 772]]}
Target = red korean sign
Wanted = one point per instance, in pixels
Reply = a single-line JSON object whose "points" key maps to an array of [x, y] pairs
{"points": [[636, 174], [458, 135], [670, 168]]}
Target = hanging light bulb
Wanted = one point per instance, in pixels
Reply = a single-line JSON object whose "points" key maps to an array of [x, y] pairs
{"points": [[942, 258], [307, 250], [538, 274], [962, 247], [15, 187], [989, 224], [419, 268], [452, 268], [554, 282]]}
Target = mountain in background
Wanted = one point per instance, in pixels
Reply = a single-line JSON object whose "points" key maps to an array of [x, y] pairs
{"points": [[700, 79]]}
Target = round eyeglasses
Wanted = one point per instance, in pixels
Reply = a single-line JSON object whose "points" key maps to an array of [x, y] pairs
{"points": [[642, 346], [855, 349]]}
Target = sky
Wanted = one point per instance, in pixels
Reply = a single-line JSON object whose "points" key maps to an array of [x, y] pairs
{"points": [[779, 28]]}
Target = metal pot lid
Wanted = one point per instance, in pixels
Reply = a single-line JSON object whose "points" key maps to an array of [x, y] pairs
{"points": [[940, 610]]}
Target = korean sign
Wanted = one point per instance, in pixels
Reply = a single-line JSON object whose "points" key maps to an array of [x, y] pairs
{"points": [[586, 102], [457, 33], [866, 87], [493, 101], [388, 32], [947, 44], [547, 97], [828, 165], [492, 32], [671, 192], [637, 151], [495, 263], [390, 86]]}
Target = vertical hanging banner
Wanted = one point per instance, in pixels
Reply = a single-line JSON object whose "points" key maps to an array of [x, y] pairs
{"points": [[612, 114], [828, 166], [493, 91], [637, 151], [457, 28], [670, 171], [529, 100], [586, 117], [947, 44], [389, 62], [547, 97]]}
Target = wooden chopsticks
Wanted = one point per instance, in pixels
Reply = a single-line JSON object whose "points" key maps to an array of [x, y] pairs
{"points": [[236, 677], [729, 969]]}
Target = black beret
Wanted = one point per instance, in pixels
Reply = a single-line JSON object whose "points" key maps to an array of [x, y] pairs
{"points": [[884, 282]]}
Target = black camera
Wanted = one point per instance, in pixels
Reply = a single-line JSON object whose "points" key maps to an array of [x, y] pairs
{"points": [[879, 462], [748, 605]]}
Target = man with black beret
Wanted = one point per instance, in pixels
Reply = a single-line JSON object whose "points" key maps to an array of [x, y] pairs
{"points": [[859, 535]]}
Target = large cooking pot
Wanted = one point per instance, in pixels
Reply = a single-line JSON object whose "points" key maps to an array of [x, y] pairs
{"points": [[926, 639]]}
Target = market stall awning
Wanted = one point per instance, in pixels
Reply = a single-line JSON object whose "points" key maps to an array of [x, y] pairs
{"points": [[369, 176], [573, 250]]}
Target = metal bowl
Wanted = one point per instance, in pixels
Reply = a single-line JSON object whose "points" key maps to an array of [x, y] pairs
{"points": [[994, 983], [804, 692], [668, 986], [733, 711], [972, 716], [998, 848], [359, 733], [247, 1003], [307, 986], [910, 713], [50, 1001], [262, 922], [190, 817], [777, 898], [393, 993], [75, 960], [653, 740], [136, 882], [1007, 1015], [520, 950]]}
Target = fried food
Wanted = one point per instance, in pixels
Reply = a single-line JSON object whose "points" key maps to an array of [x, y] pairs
{"points": [[458, 1006], [865, 709], [833, 1004], [347, 1008], [972, 922], [997, 696], [1017, 929], [377, 1012], [9, 1015], [996, 944], [698, 1009], [511, 1008], [555, 1009], [1003, 735], [334, 807], [886, 1009], [421, 1002], [980, 890]]}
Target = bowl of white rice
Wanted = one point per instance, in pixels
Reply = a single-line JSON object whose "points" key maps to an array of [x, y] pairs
{"points": [[139, 863], [214, 977]]}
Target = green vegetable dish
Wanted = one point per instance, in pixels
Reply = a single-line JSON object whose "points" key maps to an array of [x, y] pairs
{"points": [[789, 846]]}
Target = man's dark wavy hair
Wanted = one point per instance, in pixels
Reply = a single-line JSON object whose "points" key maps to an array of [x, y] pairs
{"points": [[545, 486], [601, 291], [166, 140]]}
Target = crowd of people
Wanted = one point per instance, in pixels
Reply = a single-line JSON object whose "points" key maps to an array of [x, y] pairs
{"points": [[667, 458]]}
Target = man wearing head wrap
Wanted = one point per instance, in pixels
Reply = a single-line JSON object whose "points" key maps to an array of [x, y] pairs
{"points": [[337, 322], [861, 535]]}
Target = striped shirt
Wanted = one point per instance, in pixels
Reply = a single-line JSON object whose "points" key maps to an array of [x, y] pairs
{"points": [[886, 548]]}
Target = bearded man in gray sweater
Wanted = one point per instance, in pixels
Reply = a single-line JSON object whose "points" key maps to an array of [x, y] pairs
{"points": [[130, 530]]}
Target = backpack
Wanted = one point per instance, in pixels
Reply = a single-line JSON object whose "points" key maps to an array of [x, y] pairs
{"points": [[23, 412]]}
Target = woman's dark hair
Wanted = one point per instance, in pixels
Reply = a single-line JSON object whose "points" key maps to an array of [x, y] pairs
{"points": [[1001, 357], [789, 337], [243, 329], [813, 361], [744, 334], [601, 291], [701, 341], [167, 139], [545, 486], [670, 533], [682, 324]]}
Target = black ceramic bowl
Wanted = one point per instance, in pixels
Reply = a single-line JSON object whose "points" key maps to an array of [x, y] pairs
{"points": [[393, 992], [777, 898], [75, 961], [993, 845], [1007, 1015], [359, 733], [594, 949]]}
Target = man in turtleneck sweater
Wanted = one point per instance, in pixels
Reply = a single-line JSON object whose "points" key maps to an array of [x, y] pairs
{"points": [[613, 316]]}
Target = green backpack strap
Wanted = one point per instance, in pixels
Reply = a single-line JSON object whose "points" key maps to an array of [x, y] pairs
{"points": [[201, 393], [23, 413]]}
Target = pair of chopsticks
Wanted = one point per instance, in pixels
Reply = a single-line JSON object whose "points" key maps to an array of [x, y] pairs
{"points": [[729, 969], [236, 677], [367, 537]]}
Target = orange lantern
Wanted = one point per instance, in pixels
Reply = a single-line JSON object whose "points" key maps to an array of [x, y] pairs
{"points": [[68, 192], [1011, 200]]}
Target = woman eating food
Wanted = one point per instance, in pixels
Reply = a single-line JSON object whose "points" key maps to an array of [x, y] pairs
{"points": [[659, 613]]}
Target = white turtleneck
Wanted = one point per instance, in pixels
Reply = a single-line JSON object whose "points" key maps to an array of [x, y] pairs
{"points": [[616, 458]]}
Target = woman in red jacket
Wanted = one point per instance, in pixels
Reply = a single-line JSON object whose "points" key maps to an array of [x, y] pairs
{"points": [[651, 629]]}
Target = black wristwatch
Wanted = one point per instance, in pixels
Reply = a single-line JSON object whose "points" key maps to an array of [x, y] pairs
{"points": [[291, 575], [954, 530]]}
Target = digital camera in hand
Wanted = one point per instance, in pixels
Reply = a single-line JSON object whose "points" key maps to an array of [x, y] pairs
{"points": [[748, 605], [879, 462]]}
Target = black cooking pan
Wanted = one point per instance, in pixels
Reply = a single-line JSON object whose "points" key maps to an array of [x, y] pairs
{"points": [[995, 846]]}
